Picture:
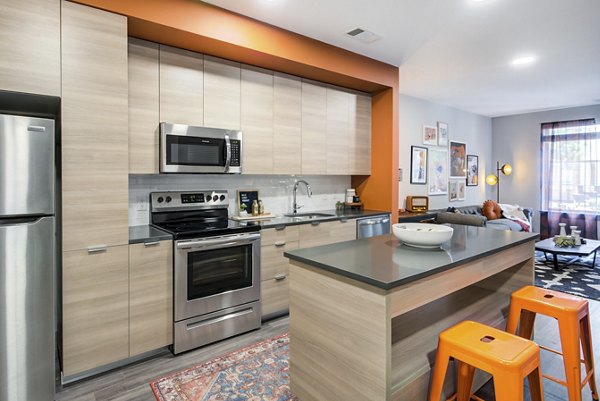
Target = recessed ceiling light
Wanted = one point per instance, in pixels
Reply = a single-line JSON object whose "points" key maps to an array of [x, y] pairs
{"points": [[523, 60]]}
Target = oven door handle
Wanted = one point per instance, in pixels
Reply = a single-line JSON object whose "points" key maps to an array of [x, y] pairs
{"points": [[227, 152], [216, 243]]}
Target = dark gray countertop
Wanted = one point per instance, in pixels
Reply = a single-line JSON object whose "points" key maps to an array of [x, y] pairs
{"points": [[336, 215], [386, 263], [141, 234]]}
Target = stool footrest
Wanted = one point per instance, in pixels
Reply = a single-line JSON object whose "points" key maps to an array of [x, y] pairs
{"points": [[556, 352], [554, 379]]}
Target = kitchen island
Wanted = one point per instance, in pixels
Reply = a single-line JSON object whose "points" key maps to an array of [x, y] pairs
{"points": [[365, 314]]}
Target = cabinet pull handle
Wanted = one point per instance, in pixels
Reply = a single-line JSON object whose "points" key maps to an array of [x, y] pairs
{"points": [[151, 243], [280, 243], [280, 277], [279, 228], [97, 248], [315, 223], [343, 220]]}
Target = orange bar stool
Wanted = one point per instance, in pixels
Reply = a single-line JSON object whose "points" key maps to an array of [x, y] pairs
{"points": [[508, 358], [572, 315]]}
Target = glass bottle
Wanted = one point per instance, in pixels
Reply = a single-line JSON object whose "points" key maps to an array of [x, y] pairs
{"points": [[254, 208], [261, 207]]}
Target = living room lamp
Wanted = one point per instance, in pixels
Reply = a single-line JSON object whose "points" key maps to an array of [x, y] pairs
{"points": [[494, 179]]}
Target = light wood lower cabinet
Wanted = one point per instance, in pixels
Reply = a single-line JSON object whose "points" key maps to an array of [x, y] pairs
{"points": [[316, 234], [150, 296], [275, 266], [95, 308]]}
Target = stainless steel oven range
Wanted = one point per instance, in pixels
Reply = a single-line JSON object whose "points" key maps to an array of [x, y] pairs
{"points": [[216, 267]]}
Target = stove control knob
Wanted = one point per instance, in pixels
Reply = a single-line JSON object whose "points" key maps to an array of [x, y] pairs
{"points": [[160, 199], [216, 198], [222, 197], [208, 197], [168, 199]]}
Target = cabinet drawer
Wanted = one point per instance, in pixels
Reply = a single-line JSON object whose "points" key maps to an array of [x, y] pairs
{"points": [[272, 261], [275, 297], [271, 236]]}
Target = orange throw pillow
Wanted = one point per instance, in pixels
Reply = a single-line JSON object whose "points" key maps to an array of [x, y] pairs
{"points": [[491, 210]]}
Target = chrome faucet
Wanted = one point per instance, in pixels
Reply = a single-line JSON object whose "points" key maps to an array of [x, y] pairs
{"points": [[296, 206]]}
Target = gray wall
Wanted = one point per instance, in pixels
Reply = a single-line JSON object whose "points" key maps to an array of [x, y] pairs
{"points": [[472, 129], [516, 140]]}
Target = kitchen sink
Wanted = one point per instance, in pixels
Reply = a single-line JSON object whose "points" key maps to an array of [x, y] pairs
{"points": [[309, 216]]}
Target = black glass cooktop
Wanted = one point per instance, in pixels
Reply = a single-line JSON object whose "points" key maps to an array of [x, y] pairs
{"points": [[196, 229]]}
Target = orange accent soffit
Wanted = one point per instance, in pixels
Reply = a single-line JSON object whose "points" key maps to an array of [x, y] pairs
{"points": [[201, 27]]}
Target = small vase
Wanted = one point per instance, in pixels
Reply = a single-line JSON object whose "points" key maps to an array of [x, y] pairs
{"points": [[573, 229], [563, 231], [577, 236]]}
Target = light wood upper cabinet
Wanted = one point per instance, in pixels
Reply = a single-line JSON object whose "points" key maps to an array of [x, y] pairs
{"points": [[150, 296], [257, 120], [287, 124], [338, 131], [314, 128], [181, 86], [143, 107], [30, 46], [95, 296], [94, 128], [222, 93], [360, 131]]}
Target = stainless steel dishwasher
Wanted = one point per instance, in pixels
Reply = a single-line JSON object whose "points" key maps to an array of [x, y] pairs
{"points": [[372, 226]]}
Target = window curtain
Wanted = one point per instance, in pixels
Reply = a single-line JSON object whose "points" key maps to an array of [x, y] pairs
{"points": [[570, 177]]}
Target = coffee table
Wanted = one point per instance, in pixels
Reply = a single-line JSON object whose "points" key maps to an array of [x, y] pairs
{"points": [[548, 247]]}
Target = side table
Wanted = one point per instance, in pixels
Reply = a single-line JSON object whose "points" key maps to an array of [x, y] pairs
{"points": [[548, 247]]}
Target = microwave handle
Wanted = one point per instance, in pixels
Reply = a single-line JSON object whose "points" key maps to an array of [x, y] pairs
{"points": [[227, 152]]}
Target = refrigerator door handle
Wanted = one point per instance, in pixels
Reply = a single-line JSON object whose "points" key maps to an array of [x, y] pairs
{"points": [[20, 220], [36, 128]]}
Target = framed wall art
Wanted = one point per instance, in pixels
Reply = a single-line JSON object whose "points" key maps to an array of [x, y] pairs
{"points": [[472, 170], [418, 165], [458, 160], [437, 171], [456, 190], [442, 133], [430, 135]]}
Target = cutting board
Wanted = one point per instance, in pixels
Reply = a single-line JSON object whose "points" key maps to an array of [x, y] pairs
{"points": [[265, 216]]}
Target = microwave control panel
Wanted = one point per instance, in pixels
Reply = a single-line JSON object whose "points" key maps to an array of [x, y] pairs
{"points": [[236, 152]]}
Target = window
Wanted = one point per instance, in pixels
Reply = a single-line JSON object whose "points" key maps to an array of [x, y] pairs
{"points": [[571, 166]]}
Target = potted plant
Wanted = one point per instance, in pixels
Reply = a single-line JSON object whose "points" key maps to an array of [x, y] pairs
{"points": [[243, 211]]}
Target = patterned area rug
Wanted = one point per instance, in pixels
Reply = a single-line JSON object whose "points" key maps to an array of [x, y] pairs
{"points": [[576, 276], [259, 372]]}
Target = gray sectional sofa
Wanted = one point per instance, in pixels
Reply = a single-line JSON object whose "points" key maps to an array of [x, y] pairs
{"points": [[473, 216]]}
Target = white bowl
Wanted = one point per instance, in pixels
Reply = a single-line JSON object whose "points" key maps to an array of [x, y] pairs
{"points": [[422, 235]]}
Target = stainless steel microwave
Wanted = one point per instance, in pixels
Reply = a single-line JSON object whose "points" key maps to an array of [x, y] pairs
{"points": [[189, 149]]}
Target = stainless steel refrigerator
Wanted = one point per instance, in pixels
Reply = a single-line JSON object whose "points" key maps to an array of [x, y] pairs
{"points": [[27, 258]]}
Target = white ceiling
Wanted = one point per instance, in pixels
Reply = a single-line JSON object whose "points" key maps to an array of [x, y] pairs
{"points": [[459, 52]]}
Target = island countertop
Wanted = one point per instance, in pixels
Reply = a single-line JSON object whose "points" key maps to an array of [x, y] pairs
{"points": [[387, 263]]}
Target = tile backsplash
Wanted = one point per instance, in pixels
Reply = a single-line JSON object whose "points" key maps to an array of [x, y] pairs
{"points": [[274, 190]]}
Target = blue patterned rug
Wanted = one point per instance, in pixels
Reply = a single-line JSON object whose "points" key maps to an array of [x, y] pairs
{"points": [[576, 276]]}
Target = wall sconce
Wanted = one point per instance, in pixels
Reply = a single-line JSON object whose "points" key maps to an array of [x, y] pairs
{"points": [[494, 179]]}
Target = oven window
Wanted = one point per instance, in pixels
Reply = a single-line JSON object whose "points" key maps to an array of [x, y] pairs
{"points": [[195, 151], [219, 270]]}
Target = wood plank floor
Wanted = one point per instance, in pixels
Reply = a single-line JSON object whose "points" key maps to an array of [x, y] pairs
{"points": [[131, 383]]}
